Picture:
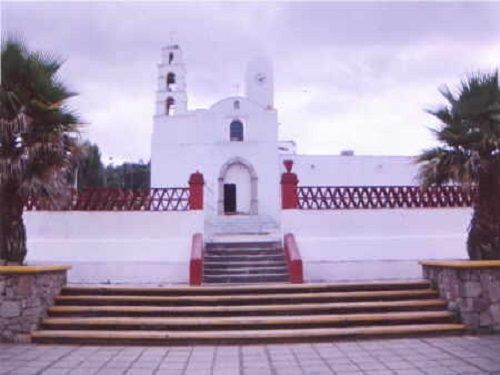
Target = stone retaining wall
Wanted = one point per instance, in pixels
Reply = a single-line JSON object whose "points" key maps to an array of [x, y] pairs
{"points": [[472, 290], [25, 294]]}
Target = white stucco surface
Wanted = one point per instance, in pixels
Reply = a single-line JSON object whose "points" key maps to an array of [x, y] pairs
{"points": [[124, 246], [336, 170], [154, 247], [375, 244]]}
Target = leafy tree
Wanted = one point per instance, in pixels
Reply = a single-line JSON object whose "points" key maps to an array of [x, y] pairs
{"points": [[38, 140], [128, 176], [470, 155], [90, 168], [93, 174]]}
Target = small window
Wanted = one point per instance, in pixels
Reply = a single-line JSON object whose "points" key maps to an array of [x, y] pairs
{"points": [[171, 81], [170, 106], [236, 104], [236, 131], [170, 58]]}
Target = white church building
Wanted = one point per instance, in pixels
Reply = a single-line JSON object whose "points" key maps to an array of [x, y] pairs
{"points": [[353, 217], [235, 144]]}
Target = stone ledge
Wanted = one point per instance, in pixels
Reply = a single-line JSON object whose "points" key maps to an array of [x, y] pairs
{"points": [[25, 294], [471, 289], [461, 264], [32, 269]]}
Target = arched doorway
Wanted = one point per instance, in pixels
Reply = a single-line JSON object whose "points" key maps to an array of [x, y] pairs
{"points": [[237, 188]]}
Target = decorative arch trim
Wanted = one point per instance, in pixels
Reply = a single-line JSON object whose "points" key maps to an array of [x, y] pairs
{"points": [[253, 184]]}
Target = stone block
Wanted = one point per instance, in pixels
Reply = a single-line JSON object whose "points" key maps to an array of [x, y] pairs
{"points": [[468, 275], [471, 319], [485, 319], [467, 305], [9, 309], [485, 278], [495, 314], [25, 285], [33, 312], [449, 290], [481, 304], [494, 291], [471, 289]]}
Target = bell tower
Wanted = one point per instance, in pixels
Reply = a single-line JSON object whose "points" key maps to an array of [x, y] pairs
{"points": [[171, 97]]}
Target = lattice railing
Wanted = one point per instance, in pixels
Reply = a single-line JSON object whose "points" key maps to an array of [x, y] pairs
{"points": [[372, 197], [102, 199]]}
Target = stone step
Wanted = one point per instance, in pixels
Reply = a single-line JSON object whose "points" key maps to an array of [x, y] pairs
{"points": [[264, 245], [257, 223], [243, 258], [247, 323], [234, 265], [184, 291], [102, 337], [246, 299], [247, 278], [245, 271], [243, 252], [220, 237], [251, 310]]}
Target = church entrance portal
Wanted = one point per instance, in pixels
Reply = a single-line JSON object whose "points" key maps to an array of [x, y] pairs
{"points": [[237, 188]]}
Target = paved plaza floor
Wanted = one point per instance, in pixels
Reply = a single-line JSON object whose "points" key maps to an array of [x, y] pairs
{"points": [[439, 356]]}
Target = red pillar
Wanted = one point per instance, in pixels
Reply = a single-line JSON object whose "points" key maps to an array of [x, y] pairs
{"points": [[196, 183], [289, 182], [196, 262]]}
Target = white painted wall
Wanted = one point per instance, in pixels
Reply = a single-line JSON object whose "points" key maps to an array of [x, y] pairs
{"points": [[336, 170], [155, 247], [375, 244], [117, 247]]}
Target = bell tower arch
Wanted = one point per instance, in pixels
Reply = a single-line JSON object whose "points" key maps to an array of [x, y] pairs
{"points": [[171, 96]]}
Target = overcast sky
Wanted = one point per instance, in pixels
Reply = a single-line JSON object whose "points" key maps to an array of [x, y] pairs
{"points": [[347, 75]]}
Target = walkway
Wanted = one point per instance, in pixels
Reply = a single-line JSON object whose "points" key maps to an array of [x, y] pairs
{"points": [[439, 356]]}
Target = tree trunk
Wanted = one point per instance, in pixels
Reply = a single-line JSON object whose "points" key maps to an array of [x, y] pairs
{"points": [[2, 237], [483, 242], [12, 232]]}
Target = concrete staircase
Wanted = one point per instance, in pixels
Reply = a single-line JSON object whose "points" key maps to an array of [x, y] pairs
{"points": [[244, 262], [241, 228], [244, 314]]}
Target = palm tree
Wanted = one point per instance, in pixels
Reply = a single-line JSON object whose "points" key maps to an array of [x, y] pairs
{"points": [[470, 155], [38, 140]]}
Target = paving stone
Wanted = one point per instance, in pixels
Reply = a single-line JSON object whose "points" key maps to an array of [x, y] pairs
{"points": [[453, 355], [140, 372], [169, 372], [109, 372], [399, 365], [409, 372]]}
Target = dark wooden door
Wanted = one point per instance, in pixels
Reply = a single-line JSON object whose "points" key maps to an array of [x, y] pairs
{"points": [[229, 198]]}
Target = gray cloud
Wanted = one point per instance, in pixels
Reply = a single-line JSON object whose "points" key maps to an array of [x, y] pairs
{"points": [[348, 75]]}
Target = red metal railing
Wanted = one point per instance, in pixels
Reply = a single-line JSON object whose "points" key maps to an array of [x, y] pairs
{"points": [[371, 197], [103, 199]]}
